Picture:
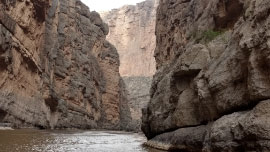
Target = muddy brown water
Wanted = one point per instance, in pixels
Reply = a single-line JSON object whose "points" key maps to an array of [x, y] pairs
{"points": [[31, 140]]}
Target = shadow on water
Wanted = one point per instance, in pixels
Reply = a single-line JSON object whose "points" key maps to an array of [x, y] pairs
{"points": [[31, 140]]}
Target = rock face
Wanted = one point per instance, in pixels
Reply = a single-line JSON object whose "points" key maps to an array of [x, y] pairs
{"points": [[138, 97], [56, 68], [211, 88], [132, 31]]}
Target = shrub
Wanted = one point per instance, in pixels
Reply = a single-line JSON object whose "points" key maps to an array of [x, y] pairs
{"points": [[205, 36], [209, 35]]}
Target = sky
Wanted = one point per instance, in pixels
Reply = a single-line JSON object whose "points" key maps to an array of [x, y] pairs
{"points": [[106, 5]]}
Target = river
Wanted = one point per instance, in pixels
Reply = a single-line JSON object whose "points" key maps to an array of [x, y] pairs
{"points": [[31, 140]]}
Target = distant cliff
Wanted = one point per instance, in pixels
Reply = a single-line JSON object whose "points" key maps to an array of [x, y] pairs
{"points": [[211, 90], [57, 69], [132, 31]]}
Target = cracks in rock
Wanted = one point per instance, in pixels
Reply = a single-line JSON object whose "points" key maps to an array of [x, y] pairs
{"points": [[229, 11], [264, 67], [263, 15], [40, 10], [7, 22], [28, 57], [52, 102], [2, 115], [249, 107]]}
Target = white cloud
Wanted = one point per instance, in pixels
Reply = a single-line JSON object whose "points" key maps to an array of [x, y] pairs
{"points": [[105, 5]]}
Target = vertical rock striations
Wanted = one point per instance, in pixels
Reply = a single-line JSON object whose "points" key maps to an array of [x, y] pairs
{"points": [[211, 88], [132, 31], [57, 70]]}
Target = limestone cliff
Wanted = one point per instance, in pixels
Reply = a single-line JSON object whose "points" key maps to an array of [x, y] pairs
{"points": [[211, 89], [57, 69], [132, 31]]}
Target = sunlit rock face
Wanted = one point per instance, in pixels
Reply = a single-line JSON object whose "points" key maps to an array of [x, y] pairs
{"points": [[57, 69], [132, 32], [211, 88]]}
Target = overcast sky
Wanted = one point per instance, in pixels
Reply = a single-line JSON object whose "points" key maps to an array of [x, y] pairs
{"points": [[105, 5]]}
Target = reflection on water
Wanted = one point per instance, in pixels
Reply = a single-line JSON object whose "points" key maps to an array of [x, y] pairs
{"points": [[71, 141]]}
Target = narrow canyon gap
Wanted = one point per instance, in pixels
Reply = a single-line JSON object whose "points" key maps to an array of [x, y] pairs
{"points": [[132, 32]]}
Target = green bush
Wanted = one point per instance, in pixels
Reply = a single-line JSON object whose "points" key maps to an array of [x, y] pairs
{"points": [[209, 35], [205, 36]]}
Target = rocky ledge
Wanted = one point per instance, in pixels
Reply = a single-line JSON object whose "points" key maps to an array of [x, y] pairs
{"points": [[211, 89]]}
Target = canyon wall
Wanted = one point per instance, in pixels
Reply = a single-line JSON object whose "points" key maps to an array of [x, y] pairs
{"points": [[211, 89], [132, 32], [57, 69], [138, 97]]}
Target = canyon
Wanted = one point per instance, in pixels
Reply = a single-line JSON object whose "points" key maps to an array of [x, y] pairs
{"points": [[57, 68], [132, 32], [211, 89], [198, 70]]}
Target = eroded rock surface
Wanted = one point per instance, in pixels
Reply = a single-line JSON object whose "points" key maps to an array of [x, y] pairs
{"points": [[57, 69], [132, 32], [211, 87], [138, 97]]}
